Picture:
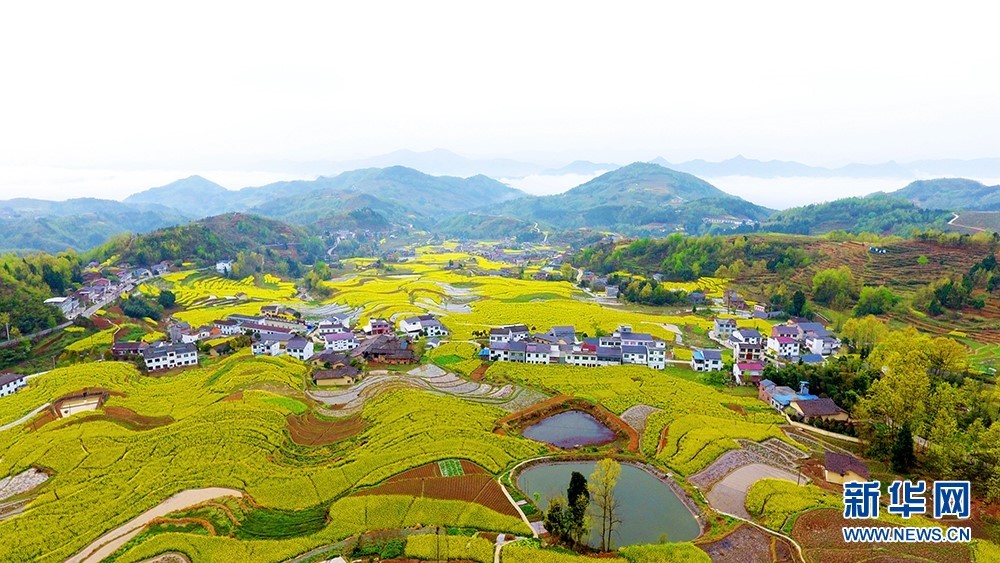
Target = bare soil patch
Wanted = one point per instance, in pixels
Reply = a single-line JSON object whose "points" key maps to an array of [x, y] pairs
{"points": [[819, 534], [309, 430], [747, 544], [478, 488]]}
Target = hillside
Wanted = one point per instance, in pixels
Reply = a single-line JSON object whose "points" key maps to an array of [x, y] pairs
{"points": [[222, 237], [194, 196], [955, 194], [877, 213], [401, 194], [79, 224], [638, 197]]}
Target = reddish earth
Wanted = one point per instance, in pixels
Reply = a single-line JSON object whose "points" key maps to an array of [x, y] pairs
{"points": [[478, 373], [309, 430], [477, 485], [819, 534], [747, 544]]}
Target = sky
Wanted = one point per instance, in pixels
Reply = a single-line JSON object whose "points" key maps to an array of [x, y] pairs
{"points": [[108, 98]]}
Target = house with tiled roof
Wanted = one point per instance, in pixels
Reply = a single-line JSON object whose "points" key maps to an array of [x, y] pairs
{"points": [[748, 373], [842, 468], [818, 409], [706, 360]]}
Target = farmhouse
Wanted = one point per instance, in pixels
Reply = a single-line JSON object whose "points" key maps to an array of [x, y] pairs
{"points": [[378, 326], [706, 360], [745, 336], [123, 350], [819, 409], [10, 383], [166, 356], [337, 323], [748, 352], [228, 327], [342, 374], [385, 349], [340, 341], [842, 468], [822, 345], [748, 373], [266, 347], [782, 346], [566, 333], [723, 328], [513, 333], [780, 396], [66, 305], [299, 348]]}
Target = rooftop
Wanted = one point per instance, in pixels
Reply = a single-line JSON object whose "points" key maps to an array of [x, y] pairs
{"points": [[841, 464]]}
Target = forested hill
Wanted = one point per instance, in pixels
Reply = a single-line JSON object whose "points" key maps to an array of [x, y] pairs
{"points": [[223, 237], [953, 194], [879, 213], [640, 197], [27, 281]]}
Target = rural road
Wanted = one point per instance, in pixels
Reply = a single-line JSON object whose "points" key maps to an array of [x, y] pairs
{"points": [[730, 494], [24, 418], [111, 541]]}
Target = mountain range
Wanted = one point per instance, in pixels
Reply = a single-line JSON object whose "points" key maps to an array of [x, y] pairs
{"points": [[638, 199]]}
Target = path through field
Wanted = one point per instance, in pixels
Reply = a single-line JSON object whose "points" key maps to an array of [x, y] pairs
{"points": [[111, 541], [730, 494]]}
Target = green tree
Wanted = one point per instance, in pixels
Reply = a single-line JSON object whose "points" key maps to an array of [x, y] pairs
{"points": [[875, 301], [602, 493], [834, 287], [578, 500], [557, 518], [864, 333], [903, 458], [798, 306], [166, 299]]}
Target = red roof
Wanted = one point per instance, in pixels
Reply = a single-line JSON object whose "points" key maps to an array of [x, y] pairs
{"points": [[752, 366]]}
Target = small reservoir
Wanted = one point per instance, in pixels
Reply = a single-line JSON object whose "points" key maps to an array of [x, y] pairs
{"points": [[570, 429]]}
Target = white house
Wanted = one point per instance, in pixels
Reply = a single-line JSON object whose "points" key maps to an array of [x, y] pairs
{"points": [[823, 345], [512, 333], [748, 373], [656, 358], [266, 348], [746, 336], [783, 346], [224, 267], [228, 327], [706, 360], [425, 325], [333, 325], [65, 304], [299, 348], [166, 356], [10, 383], [340, 341], [723, 328], [633, 354]]}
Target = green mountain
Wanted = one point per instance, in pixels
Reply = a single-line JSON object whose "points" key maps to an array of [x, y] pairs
{"points": [[402, 195], [193, 196], [636, 198], [877, 213], [78, 224], [955, 194], [222, 237]]}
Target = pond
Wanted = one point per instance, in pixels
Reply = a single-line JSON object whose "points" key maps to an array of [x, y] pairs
{"points": [[650, 510], [570, 429]]}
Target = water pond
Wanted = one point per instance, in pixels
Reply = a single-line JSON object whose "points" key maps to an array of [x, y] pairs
{"points": [[650, 510], [570, 429]]}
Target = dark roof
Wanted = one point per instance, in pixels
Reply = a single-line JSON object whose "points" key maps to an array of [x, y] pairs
{"points": [[637, 336], [727, 322], [634, 350], [712, 354], [129, 345], [297, 342], [336, 373], [841, 464], [6, 378], [499, 331], [518, 328], [330, 356], [609, 351], [163, 350], [819, 407]]}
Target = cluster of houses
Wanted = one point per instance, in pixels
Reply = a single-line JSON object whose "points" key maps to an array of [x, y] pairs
{"points": [[560, 345], [98, 289], [796, 341]]}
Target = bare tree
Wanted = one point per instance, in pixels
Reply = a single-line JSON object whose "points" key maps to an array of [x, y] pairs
{"points": [[602, 493]]}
